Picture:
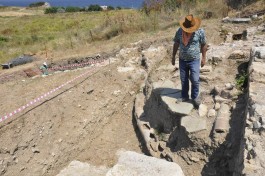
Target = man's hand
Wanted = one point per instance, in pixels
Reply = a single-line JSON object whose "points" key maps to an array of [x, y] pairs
{"points": [[173, 62], [203, 61]]}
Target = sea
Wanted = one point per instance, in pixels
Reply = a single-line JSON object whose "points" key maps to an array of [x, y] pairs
{"points": [[77, 3]]}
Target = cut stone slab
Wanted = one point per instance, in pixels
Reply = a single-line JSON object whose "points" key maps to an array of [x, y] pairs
{"points": [[134, 164], [193, 124], [180, 108], [78, 168]]}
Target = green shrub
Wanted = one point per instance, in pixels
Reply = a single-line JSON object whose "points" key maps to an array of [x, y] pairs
{"points": [[51, 10], [72, 9], [3, 39], [241, 81], [110, 8], [94, 8], [36, 4]]}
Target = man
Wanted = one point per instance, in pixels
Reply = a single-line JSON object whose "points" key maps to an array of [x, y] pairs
{"points": [[44, 69], [190, 40]]}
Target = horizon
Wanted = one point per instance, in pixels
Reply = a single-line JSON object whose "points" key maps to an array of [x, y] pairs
{"points": [[80, 3]]}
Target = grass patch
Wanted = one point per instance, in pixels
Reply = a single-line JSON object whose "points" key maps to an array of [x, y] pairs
{"points": [[241, 81], [62, 31]]}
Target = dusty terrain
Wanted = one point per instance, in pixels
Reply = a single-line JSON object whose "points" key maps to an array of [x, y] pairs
{"points": [[91, 118]]}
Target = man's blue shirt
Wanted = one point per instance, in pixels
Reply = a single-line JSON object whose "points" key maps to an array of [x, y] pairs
{"points": [[193, 48]]}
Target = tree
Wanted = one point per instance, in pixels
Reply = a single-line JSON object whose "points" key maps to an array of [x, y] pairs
{"points": [[94, 8], [110, 8], [51, 10], [72, 9], [37, 4]]}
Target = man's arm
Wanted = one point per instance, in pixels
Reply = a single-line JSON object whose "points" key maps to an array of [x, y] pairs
{"points": [[175, 49], [204, 50]]}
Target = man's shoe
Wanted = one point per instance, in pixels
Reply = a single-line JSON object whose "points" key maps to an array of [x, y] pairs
{"points": [[196, 103], [182, 100]]}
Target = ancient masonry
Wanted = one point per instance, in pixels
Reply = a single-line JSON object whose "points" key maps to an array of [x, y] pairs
{"points": [[173, 130], [254, 148]]}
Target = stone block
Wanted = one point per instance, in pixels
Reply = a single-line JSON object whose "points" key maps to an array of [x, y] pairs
{"points": [[134, 164], [256, 125], [237, 54], [180, 108], [78, 168], [259, 52], [203, 109], [193, 124]]}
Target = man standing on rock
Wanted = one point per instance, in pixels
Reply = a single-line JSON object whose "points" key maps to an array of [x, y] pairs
{"points": [[190, 39]]}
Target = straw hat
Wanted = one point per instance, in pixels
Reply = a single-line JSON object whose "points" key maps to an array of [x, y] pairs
{"points": [[190, 24], [44, 63]]}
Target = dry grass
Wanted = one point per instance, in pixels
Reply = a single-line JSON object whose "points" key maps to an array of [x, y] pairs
{"points": [[64, 35]]}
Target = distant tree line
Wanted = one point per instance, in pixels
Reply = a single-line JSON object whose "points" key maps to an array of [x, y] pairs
{"points": [[78, 9], [37, 4]]}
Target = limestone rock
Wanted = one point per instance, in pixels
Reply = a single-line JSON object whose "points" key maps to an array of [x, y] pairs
{"points": [[193, 124], [83, 169], [134, 164], [217, 106], [181, 108], [229, 86], [211, 113], [237, 54], [139, 105], [203, 110], [225, 94], [219, 99], [206, 69], [256, 125]]}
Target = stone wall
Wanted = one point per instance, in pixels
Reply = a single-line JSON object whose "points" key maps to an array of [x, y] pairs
{"points": [[254, 141]]}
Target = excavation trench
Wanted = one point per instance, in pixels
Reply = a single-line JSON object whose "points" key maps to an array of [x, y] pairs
{"points": [[204, 141]]}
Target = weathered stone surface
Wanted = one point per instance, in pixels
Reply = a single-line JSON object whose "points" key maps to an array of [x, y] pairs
{"points": [[258, 52], [237, 54], [225, 94], [256, 91], [78, 168], [165, 87], [193, 124], [211, 113], [203, 109], [181, 108], [139, 104], [256, 125], [134, 164], [221, 124], [219, 99], [217, 106], [206, 69], [229, 86]]}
